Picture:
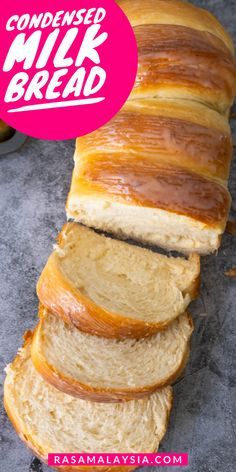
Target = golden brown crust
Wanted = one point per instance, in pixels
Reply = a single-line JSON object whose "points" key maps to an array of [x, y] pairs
{"points": [[163, 139], [16, 422], [186, 110], [62, 298], [181, 62], [57, 294], [22, 435], [104, 394], [155, 185], [174, 12]]}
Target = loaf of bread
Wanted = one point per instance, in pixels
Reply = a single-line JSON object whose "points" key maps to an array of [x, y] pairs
{"points": [[114, 289], [158, 171], [113, 330], [109, 370], [51, 421]]}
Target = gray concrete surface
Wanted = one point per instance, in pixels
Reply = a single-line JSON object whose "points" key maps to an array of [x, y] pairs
{"points": [[33, 186]]}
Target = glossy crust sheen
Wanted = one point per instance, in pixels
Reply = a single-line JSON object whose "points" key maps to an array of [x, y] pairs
{"points": [[86, 392], [186, 110], [150, 184], [62, 298], [181, 62], [29, 440], [172, 155], [174, 12], [204, 150]]}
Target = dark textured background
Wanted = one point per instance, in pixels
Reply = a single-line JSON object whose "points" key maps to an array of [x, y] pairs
{"points": [[33, 186]]}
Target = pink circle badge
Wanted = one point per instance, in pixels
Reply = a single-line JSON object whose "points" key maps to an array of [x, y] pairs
{"points": [[66, 68]]}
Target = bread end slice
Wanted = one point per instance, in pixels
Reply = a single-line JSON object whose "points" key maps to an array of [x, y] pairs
{"points": [[49, 421]]}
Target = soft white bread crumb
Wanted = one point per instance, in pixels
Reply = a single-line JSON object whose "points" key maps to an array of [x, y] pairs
{"points": [[50, 421], [127, 279], [93, 277], [109, 369], [148, 225]]}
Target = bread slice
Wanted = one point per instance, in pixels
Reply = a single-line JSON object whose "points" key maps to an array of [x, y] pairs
{"points": [[51, 421], [114, 289], [108, 370]]}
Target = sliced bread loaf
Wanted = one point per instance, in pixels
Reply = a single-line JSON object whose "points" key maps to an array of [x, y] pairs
{"points": [[112, 288], [51, 421], [108, 370]]}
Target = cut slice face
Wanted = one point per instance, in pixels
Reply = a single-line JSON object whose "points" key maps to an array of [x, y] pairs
{"points": [[51, 421], [109, 370], [115, 289]]}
